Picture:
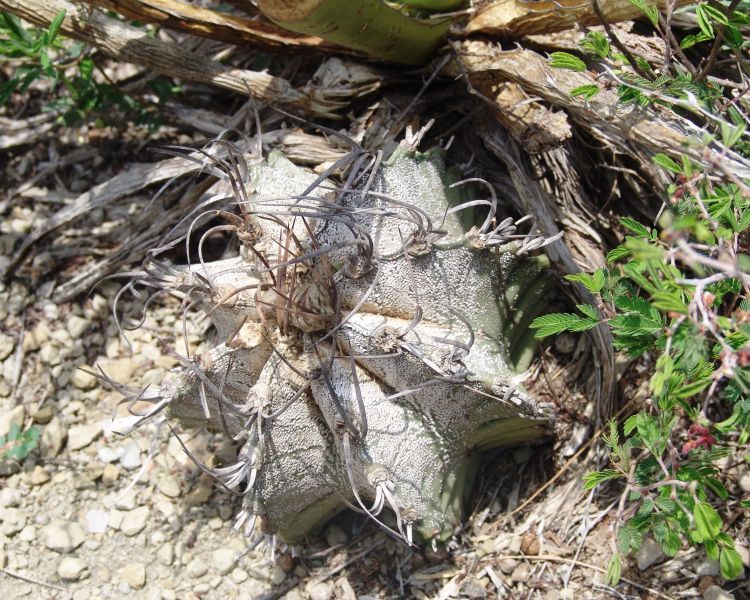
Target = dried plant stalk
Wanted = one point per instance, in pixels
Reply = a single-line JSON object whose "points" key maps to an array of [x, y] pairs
{"points": [[519, 17], [130, 44]]}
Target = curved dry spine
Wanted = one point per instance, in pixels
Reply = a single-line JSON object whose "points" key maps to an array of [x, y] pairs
{"points": [[367, 338]]}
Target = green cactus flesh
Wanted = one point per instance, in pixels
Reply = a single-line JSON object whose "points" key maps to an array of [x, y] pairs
{"points": [[368, 339]]}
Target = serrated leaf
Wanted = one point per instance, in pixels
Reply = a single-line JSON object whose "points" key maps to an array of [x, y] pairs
{"points": [[588, 310], [731, 135], [667, 163], [630, 425], [587, 91], [730, 563], [54, 27], [594, 478], [669, 302], [565, 60], [614, 570], [559, 322], [691, 389], [707, 520], [704, 21], [593, 283], [634, 226], [617, 253]]}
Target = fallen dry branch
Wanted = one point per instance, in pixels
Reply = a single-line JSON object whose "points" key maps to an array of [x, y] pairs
{"points": [[130, 44], [214, 24], [518, 18], [639, 130]]}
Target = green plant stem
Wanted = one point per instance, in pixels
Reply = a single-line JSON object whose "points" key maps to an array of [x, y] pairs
{"points": [[371, 26]]}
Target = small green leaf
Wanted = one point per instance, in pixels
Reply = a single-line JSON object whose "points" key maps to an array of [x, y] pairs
{"points": [[565, 60], [559, 322], [614, 570], [704, 21], [593, 283], [730, 562], [617, 253], [707, 520], [54, 27], [594, 478], [587, 91], [731, 135], [635, 227], [669, 302], [664, 161]]}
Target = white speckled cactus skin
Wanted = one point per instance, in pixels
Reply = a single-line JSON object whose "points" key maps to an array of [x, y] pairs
{"points": [[367, 343]]}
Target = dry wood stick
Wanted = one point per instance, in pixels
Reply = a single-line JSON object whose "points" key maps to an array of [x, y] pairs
{"points": [[519, 17], [130, 44]]}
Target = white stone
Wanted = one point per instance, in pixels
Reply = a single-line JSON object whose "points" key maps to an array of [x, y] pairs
{"points": [[119, 369], [134, 521], [223, 560], [77, 326], [14, 520], [744, 481], [131, 457], [8, 418], [134, 574], [83, 380], [239, 575], [71, 568], [197, 568], [53, 438], [96, 521], [107, 454], [80, 436], [169, 486], [7, 345], [63, 536], [649, 554], [320, 591], [714, 592], [165, 554], [10, 497], [50, 355]]}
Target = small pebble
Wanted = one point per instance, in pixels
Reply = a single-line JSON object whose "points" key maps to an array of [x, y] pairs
{"points": [[131, 457], [38, 476], [14, 520], [134, 521], [63, 536], [223, 560], [197, 568], [77, 326], [238, 576], [165, 554], [80, 436], [320, 591], [134, 574], [110, 474], [96, 521], [71, 568], [168, 486]]}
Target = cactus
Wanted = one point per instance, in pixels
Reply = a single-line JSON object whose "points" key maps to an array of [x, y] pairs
{"points": [[368, 339]]}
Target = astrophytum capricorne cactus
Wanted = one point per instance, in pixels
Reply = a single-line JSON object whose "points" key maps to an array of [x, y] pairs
{"points": [[368, 336]]}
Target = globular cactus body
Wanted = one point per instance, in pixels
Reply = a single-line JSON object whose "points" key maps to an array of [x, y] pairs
{"points": [[368, 338]]}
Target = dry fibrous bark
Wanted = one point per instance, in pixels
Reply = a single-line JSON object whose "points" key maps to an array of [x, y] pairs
{"points": [[130, 44], [531, 123], [519, 17], [213, 24], [642, 131]]}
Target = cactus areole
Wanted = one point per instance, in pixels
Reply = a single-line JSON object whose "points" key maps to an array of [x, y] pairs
{"points": [[367, 335]]}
